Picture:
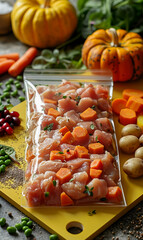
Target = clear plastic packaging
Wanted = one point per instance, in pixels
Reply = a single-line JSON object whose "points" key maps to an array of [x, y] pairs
{"points": [[72, 155]]}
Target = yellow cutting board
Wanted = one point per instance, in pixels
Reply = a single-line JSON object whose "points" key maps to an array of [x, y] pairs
{"points": [[58, 220]]}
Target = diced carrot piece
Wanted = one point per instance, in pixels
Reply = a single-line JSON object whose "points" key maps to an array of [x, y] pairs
{"points": [[53, 112], [96, 148], [54, 155], [88, 115], [29, 155], [81, 152], [114, 194], [80, 135], [95, 173], [66, 200], [127, 116], [68, 138], [64, 175], [118, 104], [135, 103], [132, 92], [47, 100], [69, 154], [96, 164], [63, 130]]}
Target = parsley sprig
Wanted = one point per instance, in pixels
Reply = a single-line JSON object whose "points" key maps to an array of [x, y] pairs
{"points": [[90, 213], [88, 190], [49, 127]]}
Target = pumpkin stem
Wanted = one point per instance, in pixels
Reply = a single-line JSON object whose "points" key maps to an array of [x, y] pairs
{"points": [[114, 42], [46, 3]]}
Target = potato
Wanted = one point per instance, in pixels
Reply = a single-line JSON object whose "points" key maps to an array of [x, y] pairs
{"points": [[139, 153], [133, 167], [141, 139], [129, 144], [131, 129]]}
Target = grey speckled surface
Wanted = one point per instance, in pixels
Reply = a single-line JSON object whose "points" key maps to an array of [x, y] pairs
{"points": [[129, 227]]}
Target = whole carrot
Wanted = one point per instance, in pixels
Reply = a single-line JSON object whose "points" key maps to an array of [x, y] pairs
{"points": [[3, 59], [13, 56], [5, 65], [23, 62]]}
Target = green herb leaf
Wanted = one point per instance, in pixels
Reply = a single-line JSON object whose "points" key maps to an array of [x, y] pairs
{"points": [[1, 108], [92, 212], [77, 99], [46, 194], [47, 54], [64, 96], [10, 152], [39, 62], [103, 199], [93, 107], [58, 94], [54, 183], [96, 139], [92, 126], [88, 191], [60, 152], [49, 127]]}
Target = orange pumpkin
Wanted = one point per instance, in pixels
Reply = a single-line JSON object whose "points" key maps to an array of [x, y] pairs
{"points": [[120, 51]]}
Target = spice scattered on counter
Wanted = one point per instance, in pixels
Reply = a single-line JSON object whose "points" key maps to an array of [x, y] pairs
{"points": [[10, 215], [129, 226], [13, 178]]}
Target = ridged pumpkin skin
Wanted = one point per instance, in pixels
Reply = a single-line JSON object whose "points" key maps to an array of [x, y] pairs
{"points": [[39, 26], [119, 51]]}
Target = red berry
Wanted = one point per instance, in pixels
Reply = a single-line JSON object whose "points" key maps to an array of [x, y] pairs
{"points": [[9, 130], [11, 125], [6, 124], [6, 112], [16, 121], [2, 120], [8, 118], [14, 114], [1, 132]]}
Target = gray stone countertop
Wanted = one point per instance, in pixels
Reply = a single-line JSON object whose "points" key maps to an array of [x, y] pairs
{"points": [[128, 227]]}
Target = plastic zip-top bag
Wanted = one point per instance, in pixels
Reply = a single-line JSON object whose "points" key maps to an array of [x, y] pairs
{"points": [[72, 157]]}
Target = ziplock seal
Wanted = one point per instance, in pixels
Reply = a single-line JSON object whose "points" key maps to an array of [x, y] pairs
{"points": [[44, 129]]}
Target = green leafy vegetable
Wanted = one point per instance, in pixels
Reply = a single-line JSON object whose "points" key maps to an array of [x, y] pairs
{"points": [[10, 152], [1, 108], [59, 58], [105, 14]]}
